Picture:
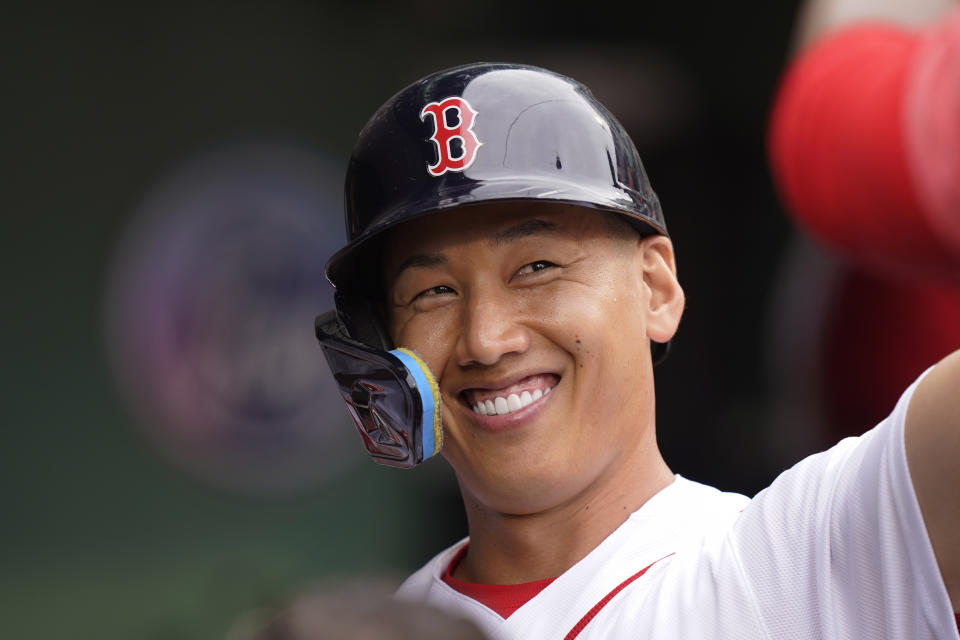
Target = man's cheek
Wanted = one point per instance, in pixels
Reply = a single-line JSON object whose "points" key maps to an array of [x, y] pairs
{"points": [[432, 339]]}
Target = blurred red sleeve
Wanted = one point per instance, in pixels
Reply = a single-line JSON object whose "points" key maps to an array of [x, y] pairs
{"points": [[844, 141], [933, 129]]}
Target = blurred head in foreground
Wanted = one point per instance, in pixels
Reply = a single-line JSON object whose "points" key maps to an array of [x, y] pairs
{"points": [[359, 610]]}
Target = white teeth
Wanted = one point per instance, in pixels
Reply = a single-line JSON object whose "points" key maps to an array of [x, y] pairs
{"points": [[513, 402], [525, 398]]}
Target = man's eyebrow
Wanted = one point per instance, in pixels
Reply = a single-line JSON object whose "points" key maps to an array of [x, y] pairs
{"points": [[420, 260], [524, 229]]}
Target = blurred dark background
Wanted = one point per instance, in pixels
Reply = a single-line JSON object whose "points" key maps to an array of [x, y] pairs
{"points": [[132, 135]]}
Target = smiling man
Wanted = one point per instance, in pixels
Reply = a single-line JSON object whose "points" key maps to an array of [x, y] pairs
{"points": [[507, 288]]}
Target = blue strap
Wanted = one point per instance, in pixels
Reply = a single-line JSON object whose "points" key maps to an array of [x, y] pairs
{"points": [[431, 434]]}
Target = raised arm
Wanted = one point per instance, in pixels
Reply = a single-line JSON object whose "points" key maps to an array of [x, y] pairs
{"points": [[932, 438], [865, 149]]}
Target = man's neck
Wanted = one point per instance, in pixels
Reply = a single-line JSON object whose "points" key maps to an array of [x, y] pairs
{"points": [[512, 549]]}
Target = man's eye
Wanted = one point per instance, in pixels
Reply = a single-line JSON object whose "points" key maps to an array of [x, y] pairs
{"points": [[439, 290], [533, 267]]}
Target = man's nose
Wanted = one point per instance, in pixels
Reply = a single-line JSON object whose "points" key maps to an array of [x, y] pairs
{"points": [[491, 329]]}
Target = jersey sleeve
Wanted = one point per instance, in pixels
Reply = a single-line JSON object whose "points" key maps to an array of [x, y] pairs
{"points": [[836, 546]]}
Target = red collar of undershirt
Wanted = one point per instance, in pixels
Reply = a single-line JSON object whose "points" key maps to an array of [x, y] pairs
{"points": [[504, 599]]}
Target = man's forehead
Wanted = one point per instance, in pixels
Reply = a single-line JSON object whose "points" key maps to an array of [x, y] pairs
{"points": [[419, 257]]}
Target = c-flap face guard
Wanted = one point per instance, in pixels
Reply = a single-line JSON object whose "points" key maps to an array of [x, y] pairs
{"points": [[392, 396]]}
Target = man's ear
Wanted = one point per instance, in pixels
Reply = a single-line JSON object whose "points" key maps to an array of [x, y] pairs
{"points": [[666, 297]]}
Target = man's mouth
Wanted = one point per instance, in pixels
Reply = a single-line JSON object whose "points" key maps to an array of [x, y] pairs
{"points": [[498, 402]]}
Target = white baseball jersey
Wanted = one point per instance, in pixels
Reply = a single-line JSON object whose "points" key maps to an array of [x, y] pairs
{"points": [[834, 548]]}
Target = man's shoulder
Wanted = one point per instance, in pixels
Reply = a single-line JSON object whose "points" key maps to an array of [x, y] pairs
{"points": [[686, 503]]}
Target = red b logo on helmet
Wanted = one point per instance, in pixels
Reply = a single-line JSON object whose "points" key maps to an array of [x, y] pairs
{"points": [[445, 135]]}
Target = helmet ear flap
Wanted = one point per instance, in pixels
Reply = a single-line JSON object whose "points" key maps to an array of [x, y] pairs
{"points": [[391, 394], [362, 318]]}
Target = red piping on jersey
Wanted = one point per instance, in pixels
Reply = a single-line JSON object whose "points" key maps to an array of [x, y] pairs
{"points": [[585, 620]]}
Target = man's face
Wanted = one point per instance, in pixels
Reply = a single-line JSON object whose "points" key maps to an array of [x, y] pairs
{"points": [[534, 320]]}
